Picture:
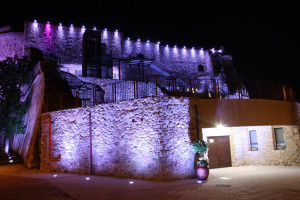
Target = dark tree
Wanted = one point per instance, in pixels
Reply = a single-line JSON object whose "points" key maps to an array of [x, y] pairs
{"points": [[15, 73]]}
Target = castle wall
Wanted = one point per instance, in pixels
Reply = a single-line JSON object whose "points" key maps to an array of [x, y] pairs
{"points": [[27, 144], [11, 44], [144, 138], [175, 61], [65, 42]]}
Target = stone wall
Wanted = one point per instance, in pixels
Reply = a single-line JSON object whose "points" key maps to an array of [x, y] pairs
{"points": [[65, 42], [11, 44], [266, 154], [27, 145], [145, 138]]}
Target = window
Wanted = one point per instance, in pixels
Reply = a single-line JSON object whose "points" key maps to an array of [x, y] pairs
{"points": [[200, 68], [115, 72], [253, 141], [279, 139]]}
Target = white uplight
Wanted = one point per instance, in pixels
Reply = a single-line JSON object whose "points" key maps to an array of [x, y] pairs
{"points": [[87, 178], [11, 161], [131, 182], [199, 181], [55, 175]]}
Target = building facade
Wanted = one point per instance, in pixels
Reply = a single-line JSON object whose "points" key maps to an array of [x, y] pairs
{"points": [[130, 108]]}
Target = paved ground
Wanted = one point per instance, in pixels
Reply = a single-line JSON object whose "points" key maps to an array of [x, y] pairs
{"points": [[259, 182]]}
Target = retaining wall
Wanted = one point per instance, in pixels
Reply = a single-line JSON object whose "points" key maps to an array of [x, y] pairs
{"points": [[144, 138]]}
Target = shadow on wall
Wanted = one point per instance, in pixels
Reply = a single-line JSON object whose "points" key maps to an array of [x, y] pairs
{"points": [[198, 120], [58, 93]]}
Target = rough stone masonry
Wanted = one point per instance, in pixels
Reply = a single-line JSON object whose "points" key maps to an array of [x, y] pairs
{"points": [[145, 138]]}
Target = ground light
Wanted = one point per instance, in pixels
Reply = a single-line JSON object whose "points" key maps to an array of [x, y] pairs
{"points": [[55, 175], [225, 178], [87, 178], [11, 161], [130, 182]]}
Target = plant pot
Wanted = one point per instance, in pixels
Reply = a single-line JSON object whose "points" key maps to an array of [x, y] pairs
{"points": [[202, 172]]}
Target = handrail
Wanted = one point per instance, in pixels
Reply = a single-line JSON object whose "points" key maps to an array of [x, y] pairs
{"points": [[209, 88]]}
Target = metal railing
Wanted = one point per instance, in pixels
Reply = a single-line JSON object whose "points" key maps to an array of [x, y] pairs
{"points": [[210, 88]]}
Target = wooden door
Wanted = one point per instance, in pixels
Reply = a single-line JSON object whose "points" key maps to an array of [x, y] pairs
{"points": [[219, 151]]}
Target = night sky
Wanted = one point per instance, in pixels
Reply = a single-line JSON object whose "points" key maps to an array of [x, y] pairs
{"points": [[262, 36]]}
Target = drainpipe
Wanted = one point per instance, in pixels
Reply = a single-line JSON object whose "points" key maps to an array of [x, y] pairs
{"points": [[197, 124], [91, 145]]}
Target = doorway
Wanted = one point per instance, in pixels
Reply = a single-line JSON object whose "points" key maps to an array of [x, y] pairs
{"points": [[219, 151]]}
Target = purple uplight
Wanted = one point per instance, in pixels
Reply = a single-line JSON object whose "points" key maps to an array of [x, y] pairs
{"points": [[48, 28]]}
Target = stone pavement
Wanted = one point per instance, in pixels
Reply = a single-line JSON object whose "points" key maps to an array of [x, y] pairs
{"points": [[247, 182]]}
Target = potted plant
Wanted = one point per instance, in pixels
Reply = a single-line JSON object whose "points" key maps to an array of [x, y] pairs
{"points": [[201, 147]]}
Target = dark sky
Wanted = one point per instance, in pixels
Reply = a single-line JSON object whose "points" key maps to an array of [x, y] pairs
{"points": [[262, 36]]}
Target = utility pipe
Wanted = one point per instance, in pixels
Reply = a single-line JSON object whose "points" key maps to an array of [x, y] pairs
{"points": [[91, 144]]}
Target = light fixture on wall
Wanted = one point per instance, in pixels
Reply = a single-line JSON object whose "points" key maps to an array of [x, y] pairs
{"points": [[220, 125]]}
